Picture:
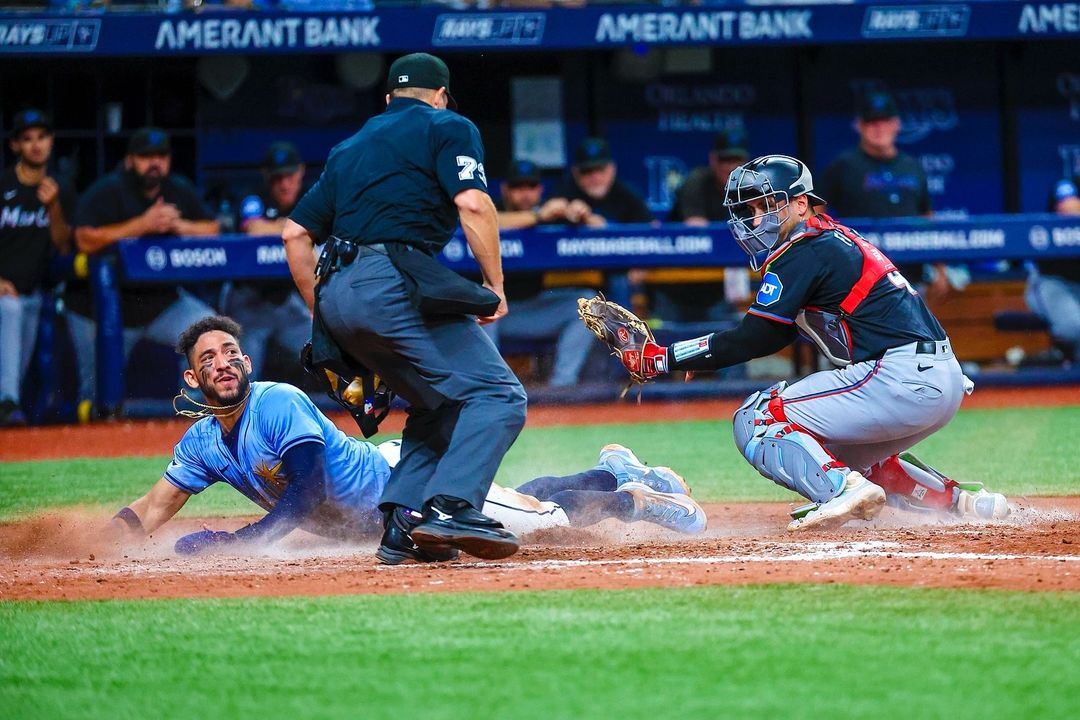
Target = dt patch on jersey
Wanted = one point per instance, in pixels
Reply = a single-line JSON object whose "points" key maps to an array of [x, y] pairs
{"points": [[770, 289]]}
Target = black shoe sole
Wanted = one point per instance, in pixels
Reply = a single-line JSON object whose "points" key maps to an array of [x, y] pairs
{"points": [[484, 544], [432, 554]]}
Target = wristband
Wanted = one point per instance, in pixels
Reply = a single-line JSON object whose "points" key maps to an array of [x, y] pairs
{"points": [[128, 516]]}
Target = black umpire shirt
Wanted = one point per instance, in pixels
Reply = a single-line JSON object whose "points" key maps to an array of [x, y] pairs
{"points": [[25, 237], [859, 186], [115, 198], [395, 180]]}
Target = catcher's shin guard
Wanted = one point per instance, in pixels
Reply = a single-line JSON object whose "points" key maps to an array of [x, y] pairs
{"points": [[910, 482], [784, 452], [913, 485]]}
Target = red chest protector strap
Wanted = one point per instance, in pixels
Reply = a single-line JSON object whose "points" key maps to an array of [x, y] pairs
{"points": [[875, 264]]}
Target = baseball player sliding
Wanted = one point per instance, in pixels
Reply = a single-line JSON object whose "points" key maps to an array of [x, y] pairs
{"points": [[838, 437], [270, 442]]}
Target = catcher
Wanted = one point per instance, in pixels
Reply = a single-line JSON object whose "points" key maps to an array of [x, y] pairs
{"points": [[838, 437], [270, 442]]}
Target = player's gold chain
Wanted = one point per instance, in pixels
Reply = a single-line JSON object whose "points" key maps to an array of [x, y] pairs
{"points": [[207, 410]]}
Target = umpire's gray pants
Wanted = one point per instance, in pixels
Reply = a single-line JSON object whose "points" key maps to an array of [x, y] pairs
{"points": [[467, 405]]}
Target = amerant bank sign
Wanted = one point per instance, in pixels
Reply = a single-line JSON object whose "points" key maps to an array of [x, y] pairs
{"points": [[268, 33], [681, 27]]}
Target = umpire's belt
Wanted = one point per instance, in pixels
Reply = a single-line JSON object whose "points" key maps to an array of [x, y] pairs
{"points": [[340, 253], [347, 251]]}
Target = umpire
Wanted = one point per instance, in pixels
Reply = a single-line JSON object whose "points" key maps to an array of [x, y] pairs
{"points": [[388, 200]]}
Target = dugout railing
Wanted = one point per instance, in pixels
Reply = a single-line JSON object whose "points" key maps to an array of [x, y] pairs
{"points": [[235, 257]]}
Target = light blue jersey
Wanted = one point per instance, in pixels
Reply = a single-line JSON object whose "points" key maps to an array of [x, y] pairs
{"points": [[278, 417]]}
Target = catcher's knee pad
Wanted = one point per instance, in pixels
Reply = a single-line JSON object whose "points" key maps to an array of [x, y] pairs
{"points": [[745, 422], [784, 452]]}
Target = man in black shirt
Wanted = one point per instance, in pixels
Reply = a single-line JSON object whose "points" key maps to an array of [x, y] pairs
{"points": [[700, 199], [876, 179], [896, 381], [538, 312], [141, 198], [594, 181], [34, 213], [1053, 288], [271, 309], [698, 202], [388, 200]]}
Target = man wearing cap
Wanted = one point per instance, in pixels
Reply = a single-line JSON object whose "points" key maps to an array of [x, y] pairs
{"points": [[388, 200], [539, 311], [700, 201], [593, 180], [1053, 288], [877, 180], [140, 198], [34, 213], [271, 309]]}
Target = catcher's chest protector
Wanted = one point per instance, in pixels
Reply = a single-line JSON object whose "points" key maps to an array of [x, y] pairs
{"points": [[829, 330]]}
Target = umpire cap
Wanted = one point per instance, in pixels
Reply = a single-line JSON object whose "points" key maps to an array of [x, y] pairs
{"points": [[420, 70], [30, 118]]}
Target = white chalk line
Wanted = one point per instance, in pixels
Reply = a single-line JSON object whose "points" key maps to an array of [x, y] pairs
{"points": [[810, 552], [815, 552]]}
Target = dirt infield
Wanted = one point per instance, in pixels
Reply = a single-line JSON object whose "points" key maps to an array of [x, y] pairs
{"points": [[1037, 548], [52, 556]]}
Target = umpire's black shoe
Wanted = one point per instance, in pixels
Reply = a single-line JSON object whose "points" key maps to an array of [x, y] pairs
{"points": [[397, 547], [451, 522]]}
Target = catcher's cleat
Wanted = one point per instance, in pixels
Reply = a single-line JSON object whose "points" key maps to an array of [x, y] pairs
{"points": [[803, 510], [453, 523], [621, 462], [860, 499], [397, 546], [981, 505], [674, 511]]}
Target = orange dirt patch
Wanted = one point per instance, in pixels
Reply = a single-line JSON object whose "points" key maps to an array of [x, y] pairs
{"points": [[1037, 548], [157, 437]]}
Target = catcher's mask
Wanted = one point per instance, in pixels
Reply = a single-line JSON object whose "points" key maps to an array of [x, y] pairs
{"points": [[757, 198], [366, 397]]}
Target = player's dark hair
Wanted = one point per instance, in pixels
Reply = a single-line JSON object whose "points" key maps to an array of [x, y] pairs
{"points": [[196, 330]]}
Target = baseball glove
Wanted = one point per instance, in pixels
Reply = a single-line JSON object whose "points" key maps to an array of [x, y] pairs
{"points": [[629, 338]]}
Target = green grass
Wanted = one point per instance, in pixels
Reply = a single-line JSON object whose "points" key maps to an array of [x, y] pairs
{"points": [[1011, 450], [780, 651]]}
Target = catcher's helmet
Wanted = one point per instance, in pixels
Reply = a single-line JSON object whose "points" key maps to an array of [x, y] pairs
{"points": [[773, 179]]}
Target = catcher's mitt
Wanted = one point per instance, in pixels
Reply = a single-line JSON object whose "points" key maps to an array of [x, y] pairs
{"points": [[629, 338]]}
